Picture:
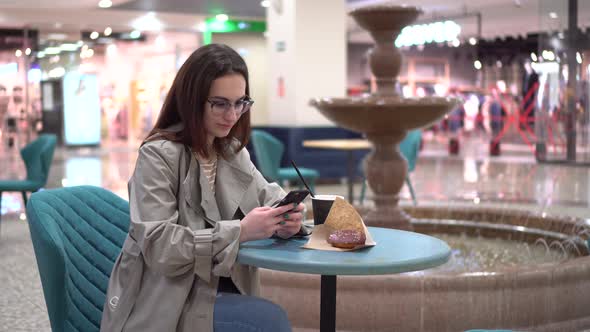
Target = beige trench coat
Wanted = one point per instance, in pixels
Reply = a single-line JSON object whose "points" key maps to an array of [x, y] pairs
{"points": [[166, 277]]}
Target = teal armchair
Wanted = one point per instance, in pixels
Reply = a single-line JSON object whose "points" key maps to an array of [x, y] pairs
{"points": [[37, 157], [269, 152], [77, 234], [409, 148]]}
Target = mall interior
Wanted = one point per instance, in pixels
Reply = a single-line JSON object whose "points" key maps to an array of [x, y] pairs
{"points": [[500, 172]]}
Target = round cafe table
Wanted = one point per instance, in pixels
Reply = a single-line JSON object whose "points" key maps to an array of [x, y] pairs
{"points": [[396, 252]]}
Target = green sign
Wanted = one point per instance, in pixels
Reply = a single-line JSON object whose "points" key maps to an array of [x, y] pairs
{"points": [[213, 25]]}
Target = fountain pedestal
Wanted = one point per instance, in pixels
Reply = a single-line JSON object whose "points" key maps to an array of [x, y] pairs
{"points": [[386, 171]]}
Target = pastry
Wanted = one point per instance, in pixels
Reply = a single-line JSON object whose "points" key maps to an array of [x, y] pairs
{"points": [[347, 229], [347, 238]]}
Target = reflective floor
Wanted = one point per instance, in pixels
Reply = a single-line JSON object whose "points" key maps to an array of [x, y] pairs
{"points": [[513, 180]]}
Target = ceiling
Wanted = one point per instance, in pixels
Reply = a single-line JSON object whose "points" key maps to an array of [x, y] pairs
{"points": [[242, 8], [499, 17]]}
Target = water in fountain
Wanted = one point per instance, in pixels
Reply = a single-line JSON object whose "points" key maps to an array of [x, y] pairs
{"points": [[477, 254]]}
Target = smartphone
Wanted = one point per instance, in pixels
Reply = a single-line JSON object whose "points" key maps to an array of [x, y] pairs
{"points": [[293, 197]]}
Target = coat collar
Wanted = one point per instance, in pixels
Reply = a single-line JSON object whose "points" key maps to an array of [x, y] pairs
{"points": [[231, 184]]}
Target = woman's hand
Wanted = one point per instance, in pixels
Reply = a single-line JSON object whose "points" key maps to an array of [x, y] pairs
{"points": [[291, 223], [263, 222]]}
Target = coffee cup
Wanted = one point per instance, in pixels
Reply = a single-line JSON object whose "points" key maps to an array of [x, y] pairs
{"points": [[321, 205]]}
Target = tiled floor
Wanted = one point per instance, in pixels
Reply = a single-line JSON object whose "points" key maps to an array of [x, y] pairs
{"points": [[513, 180]]}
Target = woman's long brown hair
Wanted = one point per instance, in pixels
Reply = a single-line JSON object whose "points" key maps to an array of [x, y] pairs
{"points": [[185, 102]]}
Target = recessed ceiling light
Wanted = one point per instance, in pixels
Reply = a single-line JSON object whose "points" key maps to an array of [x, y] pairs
{"points": [[88, 53], [548, 55], [108, 31], [28, 51], [57, 36], [472, 41], [134, 34], [265, 3], [105, 3], [68, 47], [94, 35], [553, 15], [221, 17], [52, 50], [18, 53]]}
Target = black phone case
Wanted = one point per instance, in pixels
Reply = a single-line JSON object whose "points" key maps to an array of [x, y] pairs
{"points": [[295, 196]]}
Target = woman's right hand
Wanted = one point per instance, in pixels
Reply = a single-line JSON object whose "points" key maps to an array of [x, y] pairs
{"points": [[262, 222]]}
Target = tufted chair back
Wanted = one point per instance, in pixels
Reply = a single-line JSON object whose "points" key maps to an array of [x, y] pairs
{"points": [[38, 156], [269, 152], [77, 234]]}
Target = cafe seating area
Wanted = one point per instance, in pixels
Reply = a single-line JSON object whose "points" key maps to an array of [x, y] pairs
{"points": [[327, 162]]}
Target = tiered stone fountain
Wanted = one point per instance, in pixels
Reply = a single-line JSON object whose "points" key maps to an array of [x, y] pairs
{"points": [[385, 117], [522, 292]]}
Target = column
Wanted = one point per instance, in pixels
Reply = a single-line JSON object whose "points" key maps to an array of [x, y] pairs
{"points": [[306, 42]]}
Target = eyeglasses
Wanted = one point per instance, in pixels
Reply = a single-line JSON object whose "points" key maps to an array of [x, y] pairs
{"points": [[220, 106]]}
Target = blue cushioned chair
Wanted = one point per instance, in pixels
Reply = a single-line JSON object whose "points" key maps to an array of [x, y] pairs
{"points": [[409, 148], [269, 152], [37, 157], [77, 234]]}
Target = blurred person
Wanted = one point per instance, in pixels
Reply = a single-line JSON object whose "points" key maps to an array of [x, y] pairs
{"points": [[496, 114], [15, 112], [530, 87], [485, 112], [471, 107], [4, 101], [194, 197], [455, 121]]}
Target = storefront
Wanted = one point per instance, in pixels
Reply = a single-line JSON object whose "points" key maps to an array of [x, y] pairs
{"points": [[19, 87], [112, 86]]}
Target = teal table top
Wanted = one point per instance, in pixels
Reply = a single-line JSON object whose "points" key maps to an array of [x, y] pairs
{"points": [[396, 252]]}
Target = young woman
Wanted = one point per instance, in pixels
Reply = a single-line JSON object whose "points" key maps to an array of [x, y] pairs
{"points": [[194, 197]]}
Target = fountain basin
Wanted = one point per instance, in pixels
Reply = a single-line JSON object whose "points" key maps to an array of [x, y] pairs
{"points": [[384, 114], [385, 18], [544, 297]]}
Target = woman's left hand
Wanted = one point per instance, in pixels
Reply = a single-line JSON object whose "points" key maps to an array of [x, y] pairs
{"points": [[291, 223]]}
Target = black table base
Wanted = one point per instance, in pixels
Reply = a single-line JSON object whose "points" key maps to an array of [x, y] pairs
{"points": [[328, 304]]}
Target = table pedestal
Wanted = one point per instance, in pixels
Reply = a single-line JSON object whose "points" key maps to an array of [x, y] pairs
{"points": [[328, 304], [413, 252]]}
